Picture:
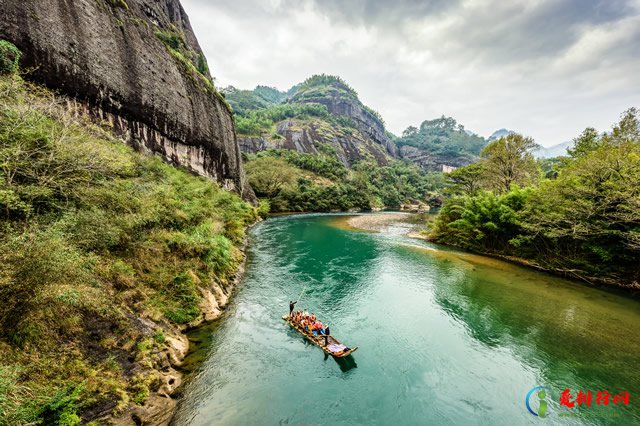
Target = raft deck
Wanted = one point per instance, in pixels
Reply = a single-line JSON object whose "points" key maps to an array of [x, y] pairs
{"points": [[319, 341]]}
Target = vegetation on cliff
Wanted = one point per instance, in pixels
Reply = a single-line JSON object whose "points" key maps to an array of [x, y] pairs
{"points": [[581, 217], [259, 110], [103, 253]]}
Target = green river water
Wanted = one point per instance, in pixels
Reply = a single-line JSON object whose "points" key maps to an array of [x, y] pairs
{"points": [[444, 337]]}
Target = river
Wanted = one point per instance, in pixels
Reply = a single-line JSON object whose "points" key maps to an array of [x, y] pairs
{"points": [[444, 337]]}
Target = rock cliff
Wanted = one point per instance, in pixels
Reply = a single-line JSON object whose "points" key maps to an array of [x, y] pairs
{"points": [[137, 66], [369, 126], [308, 137], [354, 131]]}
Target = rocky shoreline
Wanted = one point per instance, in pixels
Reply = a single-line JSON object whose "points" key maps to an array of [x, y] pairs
{"points": [[161, 404]]}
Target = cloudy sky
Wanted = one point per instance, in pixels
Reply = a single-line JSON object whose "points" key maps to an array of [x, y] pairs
{"points": [[546, 68]]}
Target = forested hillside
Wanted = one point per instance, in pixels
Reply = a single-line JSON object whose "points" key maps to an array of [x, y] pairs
{"points": [[298, 182], [440, 141], [322, 110], [581, 217]]}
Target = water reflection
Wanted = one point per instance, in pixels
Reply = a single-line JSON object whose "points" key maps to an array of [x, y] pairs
{"points": [[322, 263], [578, 337]]}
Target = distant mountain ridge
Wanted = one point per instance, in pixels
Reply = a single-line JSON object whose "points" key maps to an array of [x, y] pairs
{"points": [[500, 133], [553, 151]]}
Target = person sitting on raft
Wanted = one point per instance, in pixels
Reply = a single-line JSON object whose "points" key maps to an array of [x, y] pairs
{"points": [[326, 334]]}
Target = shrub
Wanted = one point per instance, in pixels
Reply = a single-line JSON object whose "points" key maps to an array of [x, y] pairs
{"points": [[9, 57], [93, 236]]}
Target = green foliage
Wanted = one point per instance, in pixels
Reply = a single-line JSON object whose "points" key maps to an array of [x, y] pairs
{"points": [[445, 138], [268, 175], [259, 122], [61, 409], [320, 86], [257, 111], [550, 166], [483, 222], [16, 406], [172, 39], [587, 142], [508, 161], [270, 94], [160, 337], [9, 57], [584, 221], [201, 64], [467, 180], [294, 181], [93, 235], [244, 101]]}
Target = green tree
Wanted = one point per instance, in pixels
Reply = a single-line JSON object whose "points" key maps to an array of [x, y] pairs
{"points": [[466, 180], [585, 143], [269, 175], [509, 161]]}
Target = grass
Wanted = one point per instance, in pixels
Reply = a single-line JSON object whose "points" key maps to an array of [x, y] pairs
{"points": [[95, 235]]}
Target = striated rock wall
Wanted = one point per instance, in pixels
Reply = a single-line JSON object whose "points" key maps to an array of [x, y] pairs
{"points": [[105, 54]]}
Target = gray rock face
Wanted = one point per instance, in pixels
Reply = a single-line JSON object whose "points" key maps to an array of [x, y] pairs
{"points": [[366, 122], [308, 138], [105, 54]]}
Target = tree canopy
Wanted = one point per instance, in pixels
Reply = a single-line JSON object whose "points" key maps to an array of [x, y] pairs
{"points": [[582, 220]]}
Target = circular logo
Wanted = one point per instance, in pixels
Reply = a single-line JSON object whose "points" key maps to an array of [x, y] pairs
{"points": [[541, 393]]}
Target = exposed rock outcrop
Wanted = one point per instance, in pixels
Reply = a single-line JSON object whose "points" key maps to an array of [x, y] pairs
{"points": [[369, 125], [354, 131], [350, 145], [107, 54]]}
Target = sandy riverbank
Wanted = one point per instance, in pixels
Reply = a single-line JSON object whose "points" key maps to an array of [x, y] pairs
{"points": [[377, 222]]}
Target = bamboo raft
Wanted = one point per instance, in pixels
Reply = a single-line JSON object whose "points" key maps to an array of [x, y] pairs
{"points": [[319, 340]]}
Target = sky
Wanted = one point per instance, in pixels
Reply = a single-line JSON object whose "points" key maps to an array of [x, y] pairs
{"points": [[544, 68]]}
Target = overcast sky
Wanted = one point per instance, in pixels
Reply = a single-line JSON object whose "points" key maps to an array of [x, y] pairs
{"points": [[545, 68]]}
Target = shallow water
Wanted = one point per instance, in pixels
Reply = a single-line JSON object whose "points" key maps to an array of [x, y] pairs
{"points": [[444, 337]]}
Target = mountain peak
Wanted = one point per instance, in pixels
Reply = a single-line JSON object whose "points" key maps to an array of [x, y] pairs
{"points": [[500, 133]]}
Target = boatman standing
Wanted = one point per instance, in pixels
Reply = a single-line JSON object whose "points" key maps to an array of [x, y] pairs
{"points": [[326, 335], [291, 306]]}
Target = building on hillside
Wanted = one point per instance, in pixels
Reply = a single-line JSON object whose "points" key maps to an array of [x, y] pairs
{"points": [[446, 169]]}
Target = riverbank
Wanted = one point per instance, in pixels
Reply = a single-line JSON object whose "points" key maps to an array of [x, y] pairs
{"points": [[384, 222], [102, 269], [161, 404]]}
